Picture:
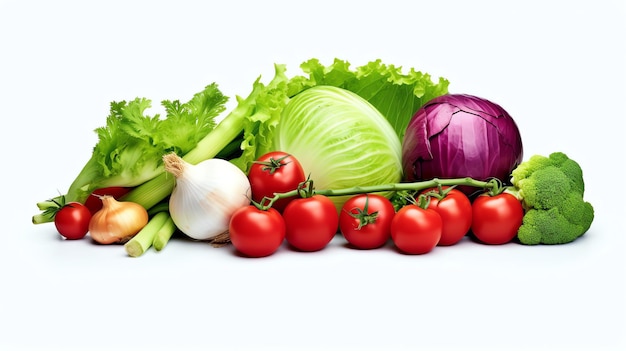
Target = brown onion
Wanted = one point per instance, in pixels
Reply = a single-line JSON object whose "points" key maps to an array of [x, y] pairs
{"points": [[117, 222]]}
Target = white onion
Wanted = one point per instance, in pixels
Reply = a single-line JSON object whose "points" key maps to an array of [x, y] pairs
{"points": [[206, 195]]}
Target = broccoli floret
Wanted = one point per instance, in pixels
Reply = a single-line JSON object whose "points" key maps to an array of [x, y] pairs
{"points": [[545, 188], [557, 159], [578, 211], [546, 227], [571, 169], [551, 189], [525, 169]]}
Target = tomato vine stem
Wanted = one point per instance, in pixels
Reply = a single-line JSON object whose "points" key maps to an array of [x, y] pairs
{"points": [[492, 185]]}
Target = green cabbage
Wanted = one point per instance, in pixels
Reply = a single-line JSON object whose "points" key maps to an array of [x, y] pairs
{"points": [[356, 148], [340, 139]]}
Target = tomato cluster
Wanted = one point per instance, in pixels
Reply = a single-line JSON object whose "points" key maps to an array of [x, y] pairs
{"points": [[306, 223], [366, 221]]}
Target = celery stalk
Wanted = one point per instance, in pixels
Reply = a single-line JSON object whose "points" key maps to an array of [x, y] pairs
{"points": [[164, 234], [142, 241]]}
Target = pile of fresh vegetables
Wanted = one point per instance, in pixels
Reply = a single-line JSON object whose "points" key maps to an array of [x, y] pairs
{"points": [[373, 153]]}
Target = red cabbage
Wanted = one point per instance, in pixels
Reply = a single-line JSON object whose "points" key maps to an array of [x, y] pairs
{"points": [[457, 135]]}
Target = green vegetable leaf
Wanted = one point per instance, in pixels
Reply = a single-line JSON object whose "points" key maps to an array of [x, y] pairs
{"points": [[395, 94], [188, 123], [132, 143]]}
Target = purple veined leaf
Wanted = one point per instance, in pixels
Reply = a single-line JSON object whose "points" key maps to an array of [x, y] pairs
{"points": [[458, 135]]}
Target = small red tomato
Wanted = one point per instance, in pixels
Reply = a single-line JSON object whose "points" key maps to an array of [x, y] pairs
{"points": [[275, 172], [365, 220], [311, 222], [72, 220], [255, 232], [455, 210], [496, 219], [93, 202], [415, 230]]}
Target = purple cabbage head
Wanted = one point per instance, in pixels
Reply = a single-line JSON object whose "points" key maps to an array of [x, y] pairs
{"points": [[459, 135]]}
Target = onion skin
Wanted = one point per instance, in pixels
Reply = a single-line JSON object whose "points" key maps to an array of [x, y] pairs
{"points": [[117, 222], [459, 135]]}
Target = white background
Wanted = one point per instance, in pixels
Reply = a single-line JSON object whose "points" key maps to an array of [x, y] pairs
{"points": [[557, 67]]}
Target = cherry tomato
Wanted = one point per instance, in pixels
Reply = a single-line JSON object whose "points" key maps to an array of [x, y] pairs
{"points": [[455, 210], [94, 204], [275, 172], [72, 220], [496, 219], [365, 220], [311, 222], [255, 232], [415, 230]]}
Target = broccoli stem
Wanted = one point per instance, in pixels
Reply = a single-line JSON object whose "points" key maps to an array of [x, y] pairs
{"points": [[142, 241], [164, 234], [414, 186]]}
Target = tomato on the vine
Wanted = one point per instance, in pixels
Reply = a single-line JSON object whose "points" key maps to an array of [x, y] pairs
{"points": [[93, 202], [497, 218], [365, 220], [72, 220], [255, 232], [311, 222], [415, 230], [275, 172], [455, 210]]}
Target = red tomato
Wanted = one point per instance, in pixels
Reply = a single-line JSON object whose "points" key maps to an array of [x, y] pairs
{"points": [[415, 230], [94, 204], [72, 220], [455, 210], [275, 172], [311, 222], [496, 219], [365, 220], [256, 233]]}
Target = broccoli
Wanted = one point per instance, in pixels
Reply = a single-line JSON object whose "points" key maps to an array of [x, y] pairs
{"points": [[551, 190]]}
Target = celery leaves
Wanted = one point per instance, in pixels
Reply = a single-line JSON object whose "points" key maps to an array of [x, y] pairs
{"points": [[132, 143]]}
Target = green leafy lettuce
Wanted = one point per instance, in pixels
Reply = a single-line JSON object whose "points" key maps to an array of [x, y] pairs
{"points": [[131, 145]]}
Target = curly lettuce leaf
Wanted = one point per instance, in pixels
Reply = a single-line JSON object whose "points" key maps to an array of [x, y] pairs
{"points": [[132, 143], [397, 95]]}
